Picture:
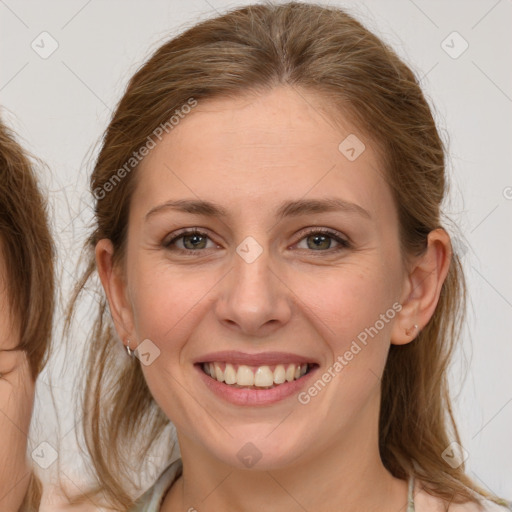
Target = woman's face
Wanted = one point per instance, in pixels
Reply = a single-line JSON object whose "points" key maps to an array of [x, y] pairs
{"points": [[261, 288], [16, 400]]}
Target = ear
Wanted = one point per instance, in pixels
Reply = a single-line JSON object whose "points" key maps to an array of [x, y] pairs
{"points": [[114, 284], [422, 287]]}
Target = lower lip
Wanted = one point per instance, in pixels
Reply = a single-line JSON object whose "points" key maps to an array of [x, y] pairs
{"points": [[252, 397]]}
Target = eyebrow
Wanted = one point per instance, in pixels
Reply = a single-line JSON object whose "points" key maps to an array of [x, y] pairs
{"points": [[286, 209]]}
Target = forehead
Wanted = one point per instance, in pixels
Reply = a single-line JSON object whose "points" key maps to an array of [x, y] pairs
{"points": [[258, 147]]}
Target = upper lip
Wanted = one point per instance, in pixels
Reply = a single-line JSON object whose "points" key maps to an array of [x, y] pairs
{"points": [[260, 359]]}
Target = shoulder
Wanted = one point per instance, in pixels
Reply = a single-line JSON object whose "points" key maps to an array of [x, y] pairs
{"points": [[152, 499], [425, 502]]}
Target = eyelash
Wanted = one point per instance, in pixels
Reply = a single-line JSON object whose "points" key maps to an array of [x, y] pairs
{"points": [[343, 243]]}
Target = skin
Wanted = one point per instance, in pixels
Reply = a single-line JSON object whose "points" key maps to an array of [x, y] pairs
{"points": [[250, 154], [16, 401]]}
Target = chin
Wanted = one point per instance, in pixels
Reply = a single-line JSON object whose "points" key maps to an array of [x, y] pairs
{"points": [[259, 447]]}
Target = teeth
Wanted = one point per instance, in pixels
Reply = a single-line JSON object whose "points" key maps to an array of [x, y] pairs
{"points": [[219, 374], [261, 376], [244, 376], [290, 373], [279, 374], [229, 374]]}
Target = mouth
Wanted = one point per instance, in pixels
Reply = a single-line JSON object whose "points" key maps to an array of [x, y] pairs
{"points": [[242, 376], [257, 379]]}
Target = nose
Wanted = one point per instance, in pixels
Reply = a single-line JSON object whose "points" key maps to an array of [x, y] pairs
{"points": [[254, 299]]}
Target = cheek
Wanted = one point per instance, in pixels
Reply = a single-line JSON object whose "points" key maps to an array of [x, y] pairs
{"points": [[167, 302], [348, 302], [353, 314]]}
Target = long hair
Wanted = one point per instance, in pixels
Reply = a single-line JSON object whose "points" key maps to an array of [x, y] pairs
{"points": [[325, 51], [28, 252]]}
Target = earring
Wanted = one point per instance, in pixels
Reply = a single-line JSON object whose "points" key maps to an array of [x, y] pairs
{"points": [[412, 329], [129, 351]]}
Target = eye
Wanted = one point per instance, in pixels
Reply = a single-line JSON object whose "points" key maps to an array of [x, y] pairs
{"points": [[320, 240], [10, 359], [196, 241], [188, 241]]}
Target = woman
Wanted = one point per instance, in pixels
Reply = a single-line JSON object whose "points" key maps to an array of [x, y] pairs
{"points": [[26, 309], [269, 243]]}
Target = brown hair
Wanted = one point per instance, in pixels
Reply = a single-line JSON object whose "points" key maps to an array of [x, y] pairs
{"points": [[325, 51], [28, 252]]}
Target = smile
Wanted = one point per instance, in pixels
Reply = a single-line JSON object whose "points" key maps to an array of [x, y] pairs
{"points": [[255, 377]]}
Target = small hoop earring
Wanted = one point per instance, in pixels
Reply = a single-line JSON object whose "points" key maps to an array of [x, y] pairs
{"points": [[129, 351], [412, 329]]}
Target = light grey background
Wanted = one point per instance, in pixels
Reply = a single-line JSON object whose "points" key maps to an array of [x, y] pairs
{"points": [[61, 104]]}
